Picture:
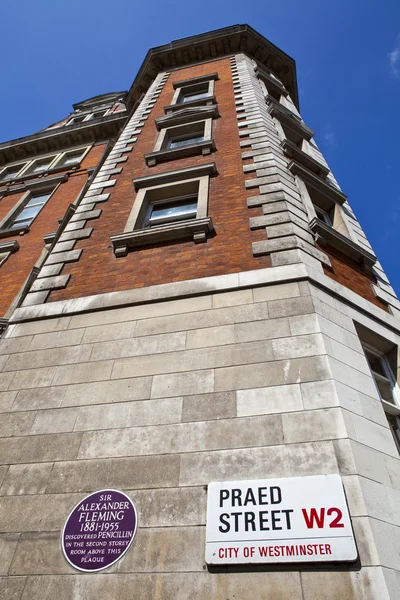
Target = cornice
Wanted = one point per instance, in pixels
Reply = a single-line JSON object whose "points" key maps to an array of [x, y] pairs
{"points": [[60, 138], [210, 46]]}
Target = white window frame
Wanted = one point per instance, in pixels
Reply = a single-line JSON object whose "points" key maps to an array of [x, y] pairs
{"points": [[87, 116], [392, 409], [5, 169], [27, 166], [162, 152], [202, 81], [167, 187], [47, 186]]}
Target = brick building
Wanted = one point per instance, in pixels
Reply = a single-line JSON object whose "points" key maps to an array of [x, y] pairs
{"points": [[187, 297]]}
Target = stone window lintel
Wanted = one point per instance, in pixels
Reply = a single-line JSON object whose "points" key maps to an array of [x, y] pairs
{"points": [[291, 150]]}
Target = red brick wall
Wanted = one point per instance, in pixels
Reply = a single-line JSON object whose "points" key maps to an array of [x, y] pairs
{"points": [[229, 251], [347, 272], [17, 268]]}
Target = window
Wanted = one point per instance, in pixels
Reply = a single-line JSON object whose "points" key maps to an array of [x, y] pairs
{"points": [[75, 119], [30, 210], [196, 91], [382, 374], [382, 359], [168, 206], [387, 388], [325, 216], [70, 158], [11, 172], [172, 210], [185, 138], [40, 166]]}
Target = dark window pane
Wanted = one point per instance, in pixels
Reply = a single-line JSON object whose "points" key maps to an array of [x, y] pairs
{"points": [[385, 390], [176, 143], [375, 363]]}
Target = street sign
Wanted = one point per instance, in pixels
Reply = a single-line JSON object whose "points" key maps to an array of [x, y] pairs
{"points": [[288, 520]]}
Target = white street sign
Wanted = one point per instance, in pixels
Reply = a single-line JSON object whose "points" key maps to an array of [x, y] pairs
{"points": [[288, 520]]}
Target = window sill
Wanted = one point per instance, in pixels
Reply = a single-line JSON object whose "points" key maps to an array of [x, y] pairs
{"points": [[283, 114], [12, 246], [14, 231], [204, 148], [197, 229], [305, 159], [327, 235], [200, 102], [390, 408]]}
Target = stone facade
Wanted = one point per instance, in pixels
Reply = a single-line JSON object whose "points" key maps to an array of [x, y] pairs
{"points": [[177, 365]]}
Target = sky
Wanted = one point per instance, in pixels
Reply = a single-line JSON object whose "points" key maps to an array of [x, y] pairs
{"points": [[348, 68]]}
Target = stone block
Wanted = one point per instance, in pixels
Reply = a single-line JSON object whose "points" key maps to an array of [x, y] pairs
{"points": [[105, 333], [50, 283], [145, 311], [48, 358], [57, 339], [83, 373], [197, 359], [205, 407], [139, 346], [8, 545], [203, 319], [30, 378], [76, 235], [15, 424], [39, 553], [234, 298], [289, 460], [129, 414], [50, 271], [58, 420], [39, 448], [259, 330], [373, 435], [171, 507], [63, 257], [365, 541], [268, 400], [368, 584], [12, 588], [63, 246], [296, 370], [33, 298], [6, 400], [173, 549], [303, 324], [39, 398], [319, 394], [86, 215], [210, 336], [290, 307], [12, 345], [298, 346], [136, 388], [121, 473], [313, 425], [22, 480], [183, 437]]}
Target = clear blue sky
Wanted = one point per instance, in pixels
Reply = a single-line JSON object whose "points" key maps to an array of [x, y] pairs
{"points": [[348, 66]]}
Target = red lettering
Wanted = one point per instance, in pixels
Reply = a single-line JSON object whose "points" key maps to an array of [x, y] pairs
{"points": [[336, 521], [313, 516]]}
